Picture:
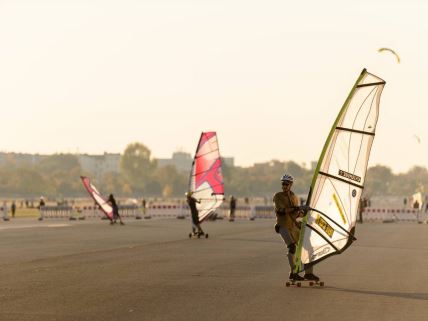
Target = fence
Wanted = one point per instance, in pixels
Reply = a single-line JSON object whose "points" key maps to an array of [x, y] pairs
{"points": [[125, 211], [388, 215], [181, 211], [61, 212]]}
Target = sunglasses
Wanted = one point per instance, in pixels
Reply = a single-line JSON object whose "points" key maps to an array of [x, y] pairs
{"points": [[286, 184]]}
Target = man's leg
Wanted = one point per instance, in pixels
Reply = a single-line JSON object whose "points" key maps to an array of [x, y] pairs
{"points": [[288, 240], [200, 229], [309, 269]]}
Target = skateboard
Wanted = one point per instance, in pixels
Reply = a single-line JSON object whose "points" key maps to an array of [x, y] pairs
{"points": [[299, 283], [197, 235]]}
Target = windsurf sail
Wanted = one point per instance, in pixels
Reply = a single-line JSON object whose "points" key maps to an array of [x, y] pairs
{"points": [[206, 178], [102, 203], [328, 227]]}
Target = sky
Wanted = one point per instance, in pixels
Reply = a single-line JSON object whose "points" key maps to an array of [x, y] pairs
{"points": [[269, 76]]}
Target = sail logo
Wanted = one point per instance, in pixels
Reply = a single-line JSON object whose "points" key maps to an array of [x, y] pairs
{"points": [[323, 252], [212, 176], [337, 202], [350, 176], [324, 226]]}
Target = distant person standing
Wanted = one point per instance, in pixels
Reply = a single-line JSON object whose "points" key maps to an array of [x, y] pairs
{"points": [[362, 206], [41, 202], [232, 208], [143, 205], [13, 208], [416, 205], [111, 200], [41, 205], [4, 208]]}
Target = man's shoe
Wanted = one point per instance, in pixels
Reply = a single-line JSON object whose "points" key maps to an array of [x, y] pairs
{"points": [[311, 277], [295, 277]]}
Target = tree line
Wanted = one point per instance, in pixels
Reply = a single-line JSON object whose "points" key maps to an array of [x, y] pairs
{"points": [[58, 175]]}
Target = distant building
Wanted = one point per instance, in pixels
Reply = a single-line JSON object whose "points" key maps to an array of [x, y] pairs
{"points": [[314, 165], [98, 165], [20, 158], [183, 161]]}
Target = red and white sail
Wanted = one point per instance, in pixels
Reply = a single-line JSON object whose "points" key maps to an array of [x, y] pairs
{"points": [[206, 178], [102, 203]]}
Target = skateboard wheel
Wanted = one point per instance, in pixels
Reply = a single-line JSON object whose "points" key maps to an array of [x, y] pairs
{"points": [[321, 283], [287, 284], [299, 284], [206, 236], [311, 283], [190, 235]]}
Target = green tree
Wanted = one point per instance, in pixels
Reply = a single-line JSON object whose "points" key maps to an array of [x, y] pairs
{"points": [[115, 183], [62, 172], [378, 181], [171, 182], [137, 166]]}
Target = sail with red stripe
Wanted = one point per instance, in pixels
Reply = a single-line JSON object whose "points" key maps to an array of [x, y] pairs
{"points": [[206, 178], [102, 203]]}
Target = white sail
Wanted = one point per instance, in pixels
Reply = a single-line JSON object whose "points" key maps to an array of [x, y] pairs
{"points": [[339, 178], [206, 178]]}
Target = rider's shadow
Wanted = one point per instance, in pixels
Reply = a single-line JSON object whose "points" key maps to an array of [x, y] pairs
{"points": [[413, 296]]}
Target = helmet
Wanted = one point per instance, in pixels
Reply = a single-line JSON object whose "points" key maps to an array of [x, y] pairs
{"points": [[287, 178], [189, 193]]}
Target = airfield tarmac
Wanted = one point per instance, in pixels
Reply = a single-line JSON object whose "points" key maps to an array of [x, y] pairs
{"points": [[150, 270]]}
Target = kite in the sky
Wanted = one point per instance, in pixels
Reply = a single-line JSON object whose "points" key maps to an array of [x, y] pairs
{"points": [[391, 51]]}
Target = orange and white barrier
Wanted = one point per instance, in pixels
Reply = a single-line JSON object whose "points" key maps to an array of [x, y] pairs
{"points": [[167, 211], [391, 214], [61, 212], [126, 211]]}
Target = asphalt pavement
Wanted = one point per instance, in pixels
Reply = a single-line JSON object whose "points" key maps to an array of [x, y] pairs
{"points": [[151, 270]]}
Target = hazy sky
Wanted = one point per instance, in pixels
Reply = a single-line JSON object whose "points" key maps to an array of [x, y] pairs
{"points": [[269, 76]]}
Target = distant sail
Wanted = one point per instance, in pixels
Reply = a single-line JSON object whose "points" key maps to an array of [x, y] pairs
{"points": [[102, 203], [338, 181], [418, 139], [391, 51], [206, 178]]}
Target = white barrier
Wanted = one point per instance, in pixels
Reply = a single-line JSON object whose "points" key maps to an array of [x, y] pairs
{"points": [[167, 211], [125, 211], [392, 215], [5, 214], [91, 212], [57, 212]]}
